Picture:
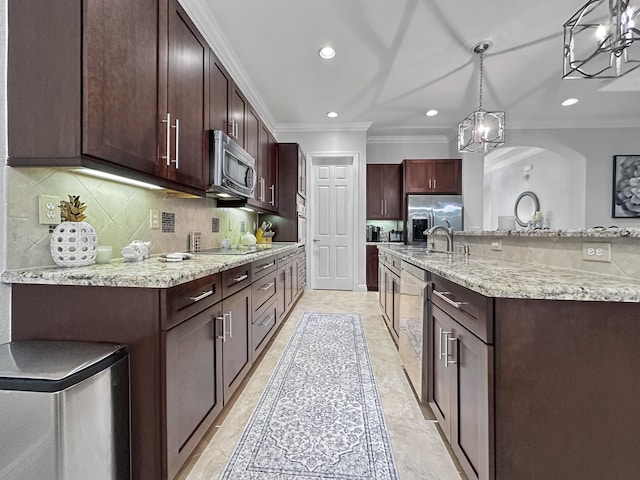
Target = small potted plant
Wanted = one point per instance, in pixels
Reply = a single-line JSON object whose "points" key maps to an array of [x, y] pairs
{"points": [[74, 242]]}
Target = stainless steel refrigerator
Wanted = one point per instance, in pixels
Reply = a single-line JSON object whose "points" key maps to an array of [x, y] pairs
{"points": [[425, 211]]}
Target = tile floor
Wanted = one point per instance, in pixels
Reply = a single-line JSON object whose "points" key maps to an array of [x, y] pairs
{"points": [[418, 449]]}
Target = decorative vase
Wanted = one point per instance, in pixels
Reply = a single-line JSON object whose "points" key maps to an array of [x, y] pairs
{"points": [[74, 244]]}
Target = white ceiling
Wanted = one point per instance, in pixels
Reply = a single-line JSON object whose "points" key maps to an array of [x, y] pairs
{"points": [[398, 58]]}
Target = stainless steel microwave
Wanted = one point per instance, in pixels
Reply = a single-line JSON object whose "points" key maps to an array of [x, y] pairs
{"points": [[232, 171]]}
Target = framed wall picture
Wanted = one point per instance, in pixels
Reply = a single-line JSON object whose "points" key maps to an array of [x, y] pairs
{"points": [[626, 186]]}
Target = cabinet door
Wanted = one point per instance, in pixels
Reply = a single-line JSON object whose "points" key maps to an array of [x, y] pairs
{"points": [[392, 191], [236, 350], [375, 195], [440, 385], [219, 94], [237, 116], [188, 94], [193, 385], [281, 288], [120, 92], [395, 323], [472, 419], [372, 268], [447, 176], [269, 168], [417, 176], [382, 296]]}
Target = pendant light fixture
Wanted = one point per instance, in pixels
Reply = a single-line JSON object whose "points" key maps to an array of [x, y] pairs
{"points": [[599, 39], [481, 131]]}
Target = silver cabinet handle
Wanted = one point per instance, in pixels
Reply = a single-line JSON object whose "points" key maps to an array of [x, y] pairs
{"points": [[441, 353], [448, 300], [201, 296], [267, 286], [240, 278], [230, 128], [267, 320], [230, 324], [223, 318], [264, 267], [448, 362], [168, 144], [434, 183], [273, 195], [381, 207], [235, 129], [177, 160]]}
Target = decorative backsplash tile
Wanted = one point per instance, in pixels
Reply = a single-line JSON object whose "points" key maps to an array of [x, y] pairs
{"points": [[118, 212]]}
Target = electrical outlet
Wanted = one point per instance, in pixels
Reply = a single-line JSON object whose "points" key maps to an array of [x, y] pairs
{"points": [[154, 219], [496, 244], [48, 210], [596, 252], [243, 227]]}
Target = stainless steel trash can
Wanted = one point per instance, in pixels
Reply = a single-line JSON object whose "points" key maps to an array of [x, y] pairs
{"points": [[64, 411]]}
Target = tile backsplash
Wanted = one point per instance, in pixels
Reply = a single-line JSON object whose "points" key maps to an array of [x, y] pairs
{"points": [[119, 213]]}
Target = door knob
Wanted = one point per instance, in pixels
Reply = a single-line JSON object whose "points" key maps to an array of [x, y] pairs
{"points": [[316, 239]]}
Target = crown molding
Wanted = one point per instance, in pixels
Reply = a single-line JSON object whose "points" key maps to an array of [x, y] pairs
{"points": [[408, 139], [322, 127], [201, 16]]}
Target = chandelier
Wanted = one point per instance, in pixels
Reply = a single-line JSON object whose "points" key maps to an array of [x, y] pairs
{"points": [[481, 130], [598, 40]]}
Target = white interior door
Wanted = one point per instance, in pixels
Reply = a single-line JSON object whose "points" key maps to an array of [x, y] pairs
{"points": [[332, 229]]}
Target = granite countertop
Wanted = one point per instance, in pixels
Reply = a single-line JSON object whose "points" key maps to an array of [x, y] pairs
{"points": [[595, 232], [152, 272], [493, 277]]}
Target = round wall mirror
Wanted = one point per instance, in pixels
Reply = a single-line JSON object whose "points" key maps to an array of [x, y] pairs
{"points": [[526, 205]]}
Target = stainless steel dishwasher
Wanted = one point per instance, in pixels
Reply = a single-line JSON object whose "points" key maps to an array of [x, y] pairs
{"points": [[64, 411], [413, 305]]}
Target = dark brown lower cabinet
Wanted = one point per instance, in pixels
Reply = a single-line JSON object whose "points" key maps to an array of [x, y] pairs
{"points": [[193, 365], [535, 389], [461, 400], [237, 349], [372, 268]]}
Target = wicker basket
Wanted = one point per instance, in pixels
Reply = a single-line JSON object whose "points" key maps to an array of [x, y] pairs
{"points": [[74, 244]]}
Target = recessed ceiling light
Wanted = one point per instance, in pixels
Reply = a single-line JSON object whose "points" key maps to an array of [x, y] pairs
{"points": [[327, 53], [431, 113], [332, 114], [570, 101]]}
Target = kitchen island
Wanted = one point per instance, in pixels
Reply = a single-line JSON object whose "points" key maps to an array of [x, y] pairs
{"points": [[193, 329], [531, 369]]}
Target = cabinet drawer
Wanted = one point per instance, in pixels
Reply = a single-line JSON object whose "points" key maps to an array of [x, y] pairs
{"points": [[470, 309], [394, 263], [263, 289], [186, 300], [285, 258], [263, 327], [235, 279], [263, 267]]}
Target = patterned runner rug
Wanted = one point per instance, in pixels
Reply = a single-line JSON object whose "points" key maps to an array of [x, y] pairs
{"points": [[320, 416]]}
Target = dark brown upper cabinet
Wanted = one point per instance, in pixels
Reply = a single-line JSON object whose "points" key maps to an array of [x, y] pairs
{"points": [[90, 84], [187, 123], [384, 191], [238, 116], [220, 87], [433, 176]]}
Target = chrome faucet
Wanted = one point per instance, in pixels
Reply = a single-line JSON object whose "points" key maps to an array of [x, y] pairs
{"points": [[447, 230]]}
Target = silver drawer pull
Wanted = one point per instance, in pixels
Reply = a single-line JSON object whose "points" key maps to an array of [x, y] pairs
{"points": [[267, 321], [239, 279], [442, 296], [268, 265], [223, 318], [201, 296], [447, 353], [267, 286]]}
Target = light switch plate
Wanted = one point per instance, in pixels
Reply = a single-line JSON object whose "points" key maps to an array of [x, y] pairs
{"points": [[154, 219], [596, 252], [496, 244], [48, 210]]}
